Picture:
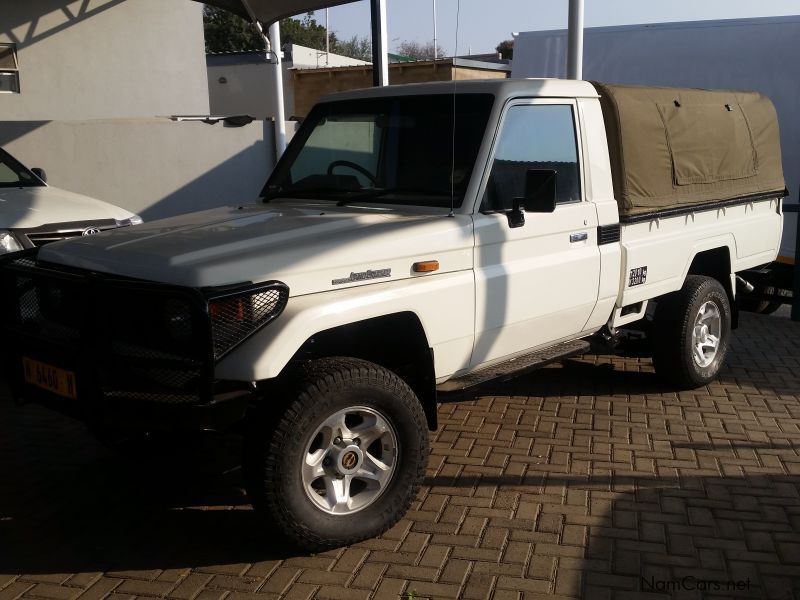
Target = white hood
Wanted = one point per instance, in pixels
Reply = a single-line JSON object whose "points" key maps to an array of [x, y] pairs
{"points": [[28, 207], [305, 246]]}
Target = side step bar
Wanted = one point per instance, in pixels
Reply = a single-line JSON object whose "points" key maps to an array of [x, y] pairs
{"points": [[516, 366]]}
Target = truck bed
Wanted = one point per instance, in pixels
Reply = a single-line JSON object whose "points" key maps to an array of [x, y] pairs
{"points": [[658, 248]]}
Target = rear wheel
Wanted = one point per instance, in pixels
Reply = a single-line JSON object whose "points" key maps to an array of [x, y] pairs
{"points": [[342, 460], [691, 332]]}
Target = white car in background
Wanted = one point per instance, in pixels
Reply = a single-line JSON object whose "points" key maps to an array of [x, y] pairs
{"points": [[33, 213]]}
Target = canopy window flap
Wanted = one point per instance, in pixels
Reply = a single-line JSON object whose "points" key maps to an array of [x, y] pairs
{"points": [[270, 11], [672, 147]]}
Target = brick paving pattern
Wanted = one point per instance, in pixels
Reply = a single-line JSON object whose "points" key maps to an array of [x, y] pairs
{"points": [[588, 479]]}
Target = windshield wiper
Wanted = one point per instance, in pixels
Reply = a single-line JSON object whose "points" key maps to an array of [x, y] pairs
{"points": [[380, 193]]}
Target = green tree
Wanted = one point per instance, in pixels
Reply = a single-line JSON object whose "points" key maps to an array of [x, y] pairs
{"points": [[355, 47], [506, 49], [307, 33], [227, 32]]}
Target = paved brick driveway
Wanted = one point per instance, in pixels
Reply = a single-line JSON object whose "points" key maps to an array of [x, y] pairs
{"points": [[584, 480]]}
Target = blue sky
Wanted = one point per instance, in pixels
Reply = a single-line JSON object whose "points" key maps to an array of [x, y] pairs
{"points": [[484, 23]]}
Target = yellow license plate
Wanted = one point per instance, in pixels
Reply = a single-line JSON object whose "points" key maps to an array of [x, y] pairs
{"points": [[50, 378]]}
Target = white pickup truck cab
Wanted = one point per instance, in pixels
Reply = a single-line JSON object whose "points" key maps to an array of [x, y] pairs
{"points": [[413, 240], [33, 213]]}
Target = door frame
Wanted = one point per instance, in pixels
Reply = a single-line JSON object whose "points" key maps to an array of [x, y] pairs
{"points": [[530, 101]]}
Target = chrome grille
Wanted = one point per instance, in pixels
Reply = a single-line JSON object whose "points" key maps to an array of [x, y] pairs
{"points": [[40, 239], [55, 232]]}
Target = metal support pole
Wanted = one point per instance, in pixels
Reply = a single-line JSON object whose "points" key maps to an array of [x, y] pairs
{"points": [[796, 270], [380, 53], [273, 44], [788, 209], [435, 41], [280, 114], [327, 38], [575, 40]]}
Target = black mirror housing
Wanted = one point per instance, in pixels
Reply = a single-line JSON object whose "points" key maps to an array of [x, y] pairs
{"points": [[39, 173], [540, 190], [516, 216]]}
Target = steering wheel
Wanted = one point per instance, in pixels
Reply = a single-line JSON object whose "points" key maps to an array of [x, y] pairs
{"points": [[355, 166]]}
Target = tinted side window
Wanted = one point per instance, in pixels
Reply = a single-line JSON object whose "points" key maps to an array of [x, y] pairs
{"points": [[538, 136]]}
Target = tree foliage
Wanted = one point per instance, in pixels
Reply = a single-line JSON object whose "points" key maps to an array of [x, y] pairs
{"points": [[227, 32], [506, 49], [355, 47], [307, 33], [419, 51]]}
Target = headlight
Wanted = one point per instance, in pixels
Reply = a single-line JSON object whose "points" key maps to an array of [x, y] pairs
{"points": [[8, 243], [134, 220], [236, 317]]}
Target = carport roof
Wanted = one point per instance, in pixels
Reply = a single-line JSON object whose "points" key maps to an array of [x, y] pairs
{"points": [[269, 11]]}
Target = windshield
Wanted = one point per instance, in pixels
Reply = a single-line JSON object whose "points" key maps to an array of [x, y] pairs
{"points": [[13, 174], [397, 150]]}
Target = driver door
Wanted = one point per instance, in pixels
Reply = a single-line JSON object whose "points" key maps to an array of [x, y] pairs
{"points": [[535, 284]]}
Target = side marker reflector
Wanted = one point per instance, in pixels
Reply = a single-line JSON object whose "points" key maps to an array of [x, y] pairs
{"points": [[426, 266]]}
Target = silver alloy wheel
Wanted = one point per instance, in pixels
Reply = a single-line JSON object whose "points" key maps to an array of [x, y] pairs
{"points": [[706, 334], [349, 460]]}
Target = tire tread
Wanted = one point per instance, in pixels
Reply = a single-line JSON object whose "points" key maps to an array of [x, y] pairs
{"points": [[306, 387], [673, 322]]}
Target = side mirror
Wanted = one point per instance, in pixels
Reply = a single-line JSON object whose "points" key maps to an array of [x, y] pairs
{"points": [[516, 216], [540, 190], [39, 173]]}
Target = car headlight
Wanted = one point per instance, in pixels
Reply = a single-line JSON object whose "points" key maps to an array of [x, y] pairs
{"points": [[8, 243], [235, 317], [134, 220]]}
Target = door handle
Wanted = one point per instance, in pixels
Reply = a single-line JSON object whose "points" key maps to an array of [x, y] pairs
{"points": [[578, 237]]}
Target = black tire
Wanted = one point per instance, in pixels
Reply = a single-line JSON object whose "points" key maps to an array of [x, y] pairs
{"points": [[276, 446], [673, 323]]}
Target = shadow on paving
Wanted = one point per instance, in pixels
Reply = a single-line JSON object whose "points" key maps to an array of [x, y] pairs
{"points": [[110, 514], [67, 504], [607, 375], [685, 537], [89, 509], [572, 377]]}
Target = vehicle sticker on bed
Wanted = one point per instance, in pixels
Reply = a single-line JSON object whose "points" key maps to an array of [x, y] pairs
{"points": [[638, 276]]}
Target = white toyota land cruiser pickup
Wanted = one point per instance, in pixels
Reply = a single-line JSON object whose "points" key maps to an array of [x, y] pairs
{"points": [[412, 240]]}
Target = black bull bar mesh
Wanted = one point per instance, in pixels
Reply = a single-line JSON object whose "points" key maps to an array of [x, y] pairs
{"points": [[123, 339]]}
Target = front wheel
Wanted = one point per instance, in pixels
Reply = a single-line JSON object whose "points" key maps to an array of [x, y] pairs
{"points": [[691, 329], [342, 460]]}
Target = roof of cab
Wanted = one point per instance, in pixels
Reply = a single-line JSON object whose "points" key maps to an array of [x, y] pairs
{"points": [[537, 88]]}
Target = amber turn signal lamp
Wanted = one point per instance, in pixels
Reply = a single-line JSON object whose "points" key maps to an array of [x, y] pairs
{"points": [[426, 266]]}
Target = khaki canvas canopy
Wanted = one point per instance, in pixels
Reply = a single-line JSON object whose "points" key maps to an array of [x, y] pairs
{"points": [[673, 147]]}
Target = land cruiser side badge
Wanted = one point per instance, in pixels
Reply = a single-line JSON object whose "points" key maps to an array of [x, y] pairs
{"points": [[363, 276], [638, 276]]}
